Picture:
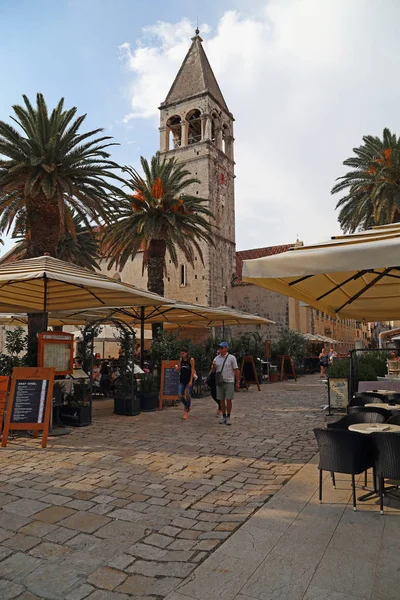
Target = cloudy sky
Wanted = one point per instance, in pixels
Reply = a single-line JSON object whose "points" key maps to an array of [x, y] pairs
{"points": [[305, 80]]}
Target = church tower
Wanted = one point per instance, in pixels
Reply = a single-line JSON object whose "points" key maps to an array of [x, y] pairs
{"points": [[196, 127]]}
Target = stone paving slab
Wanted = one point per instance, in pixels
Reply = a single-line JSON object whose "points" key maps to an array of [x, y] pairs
{"points": [[333, 553], [133, 507]]}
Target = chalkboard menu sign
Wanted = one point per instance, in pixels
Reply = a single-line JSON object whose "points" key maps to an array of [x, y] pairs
{"points": [[338, 393], [30, 401], [287, 368], [169, 381], [248, 371]]}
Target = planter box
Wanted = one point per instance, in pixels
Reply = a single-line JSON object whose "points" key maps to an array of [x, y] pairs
{"points": [[127, 405], [273, 377], [148, 401], [79, 416]]}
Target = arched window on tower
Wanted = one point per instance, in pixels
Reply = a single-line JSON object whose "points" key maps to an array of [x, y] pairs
{"points": [[214, 126], [225, 134], [216, 131], [194, 122], [174, 126], [182, 276]]}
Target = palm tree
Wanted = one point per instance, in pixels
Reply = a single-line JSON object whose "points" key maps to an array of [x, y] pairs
{"points": [[47, 169], [372, 186], [81, 248], [157, 217]]}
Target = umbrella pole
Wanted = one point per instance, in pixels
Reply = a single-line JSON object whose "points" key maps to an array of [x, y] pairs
{"points": [[91, 376], [142, 337], [45, 314]]}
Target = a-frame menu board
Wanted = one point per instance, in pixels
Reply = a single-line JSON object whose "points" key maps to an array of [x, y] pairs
{"points": [[287, 368], [249, 372], [169, 382], [30, 402]]}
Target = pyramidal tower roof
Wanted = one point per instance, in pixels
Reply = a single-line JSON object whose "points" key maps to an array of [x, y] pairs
{"points": [[195, 77]]}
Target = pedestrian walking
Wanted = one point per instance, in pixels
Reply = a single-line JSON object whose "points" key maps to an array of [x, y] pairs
{"points": [[212, 384], [323, 363], [227, 379], [187, 375]]}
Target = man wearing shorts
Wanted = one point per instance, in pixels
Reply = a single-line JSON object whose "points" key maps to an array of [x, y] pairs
{"points": [[226, 370]]}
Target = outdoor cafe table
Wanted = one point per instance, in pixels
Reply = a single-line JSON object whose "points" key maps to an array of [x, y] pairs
{"points": [[373, 428], [390, 407], [384, 384], [382, 394]]}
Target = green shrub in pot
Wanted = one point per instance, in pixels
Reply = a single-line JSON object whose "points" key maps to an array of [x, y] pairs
{"points": [[149, 389]]}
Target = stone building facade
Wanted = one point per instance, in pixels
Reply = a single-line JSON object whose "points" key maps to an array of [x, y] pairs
{"points": [[290, 313], [196, 127]]}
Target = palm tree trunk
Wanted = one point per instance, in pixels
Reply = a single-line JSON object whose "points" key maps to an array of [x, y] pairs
{"points": [[43, 226], [155, 274]]}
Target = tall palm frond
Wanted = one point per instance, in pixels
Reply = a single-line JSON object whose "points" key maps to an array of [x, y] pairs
{"points": [[49, 168], [157, 208], [372, 186]]}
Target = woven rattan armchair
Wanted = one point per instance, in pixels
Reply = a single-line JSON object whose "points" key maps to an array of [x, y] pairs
{"points": [[395, 420], [342, 451], [360, 400], [368, 414], [358, 417], [387, 459]]}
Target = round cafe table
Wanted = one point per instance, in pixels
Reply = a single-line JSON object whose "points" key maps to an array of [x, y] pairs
{"points": [[368, 428], [383, 405], [374, 428], [391, 407], [382, 394]]}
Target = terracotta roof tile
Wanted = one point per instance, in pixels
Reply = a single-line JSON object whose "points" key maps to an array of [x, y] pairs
{"points": [[255, 253]]}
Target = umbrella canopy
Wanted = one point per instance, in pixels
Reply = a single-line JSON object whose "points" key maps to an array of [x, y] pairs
{"points": [[46, 284], [316, 337], [175, 314], [350, 276]]}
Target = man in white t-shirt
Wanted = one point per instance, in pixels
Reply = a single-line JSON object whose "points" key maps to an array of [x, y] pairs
{"points": [[228, 379]]}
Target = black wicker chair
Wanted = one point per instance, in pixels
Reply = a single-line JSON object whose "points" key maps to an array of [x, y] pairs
{"points": [[368, 416], [342, 451], [368, 413], [395, 420], [359, 400], [387, 462]]}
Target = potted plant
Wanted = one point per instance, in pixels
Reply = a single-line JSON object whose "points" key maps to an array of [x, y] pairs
{"points": [[126, 402], [273, 374], [76, 410], [149, 390]]}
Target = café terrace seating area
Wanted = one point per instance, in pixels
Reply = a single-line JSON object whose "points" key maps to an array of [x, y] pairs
{"points": [[332, 532]]}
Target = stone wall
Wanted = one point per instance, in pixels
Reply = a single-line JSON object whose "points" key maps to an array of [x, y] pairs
{"points": [[257, 300]]}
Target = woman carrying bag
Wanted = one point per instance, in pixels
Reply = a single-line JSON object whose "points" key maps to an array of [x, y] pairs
{"points": [[187, 375]]}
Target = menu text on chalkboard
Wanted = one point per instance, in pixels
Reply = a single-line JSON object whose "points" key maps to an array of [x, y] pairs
{"points": [[169, 381], [29, 401]]}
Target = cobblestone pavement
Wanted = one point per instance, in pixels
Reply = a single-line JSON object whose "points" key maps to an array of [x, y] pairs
{"points": [[128, 507]]}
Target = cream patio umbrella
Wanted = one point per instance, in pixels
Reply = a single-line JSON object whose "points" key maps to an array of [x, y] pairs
{"points": [[174, 314], [46, 284], [350, 276]]}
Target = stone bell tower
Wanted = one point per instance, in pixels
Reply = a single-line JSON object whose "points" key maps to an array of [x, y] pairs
{"points": [[196, 127]]}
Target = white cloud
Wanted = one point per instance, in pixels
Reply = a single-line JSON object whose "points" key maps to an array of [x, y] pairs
{"points": [[305, 79]]}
